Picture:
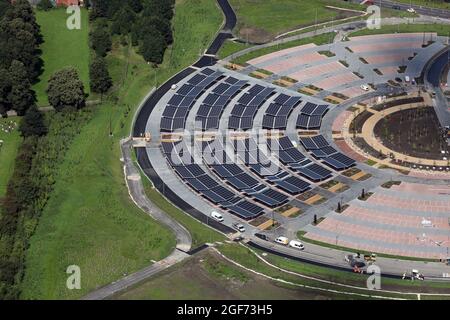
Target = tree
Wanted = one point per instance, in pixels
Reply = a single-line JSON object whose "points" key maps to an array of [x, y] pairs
{"points": [[45, 5], [5, 89], [99, 8], [100, 39], [32, 123], [65, 89], [152, 47], [21, 97], [123, 20], [100, 79], [136, 5], [21, 9], [18, 42]]}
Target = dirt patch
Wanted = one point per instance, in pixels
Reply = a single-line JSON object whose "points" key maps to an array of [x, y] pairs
{"points": [[255, 35], [414, 132]]}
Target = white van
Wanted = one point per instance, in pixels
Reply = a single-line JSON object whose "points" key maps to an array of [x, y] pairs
{"points": [[296, 244], [216, 216], [282, 240]]}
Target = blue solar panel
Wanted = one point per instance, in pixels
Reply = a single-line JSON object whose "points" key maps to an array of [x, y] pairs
{"points": [[302, 121], [308, 108], [282, 98], [207, 71], [185, 89], [175, 100], [231, 80], [320, 110], [196, 79], [314, 122]]}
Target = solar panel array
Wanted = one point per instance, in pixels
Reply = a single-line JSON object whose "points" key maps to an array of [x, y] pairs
{"points": [[310, 117], [297, 161], [248, 104], [181, 160], [209, 113], [177, 109], [215, 156], [258, 162], [320, 149], [277, 113]]}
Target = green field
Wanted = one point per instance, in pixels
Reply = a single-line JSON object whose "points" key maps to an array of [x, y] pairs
{"points": [[261, 20], [318, 40], [61, 48], [8, 151], [428, 3], [440, 29], [90, 220]]}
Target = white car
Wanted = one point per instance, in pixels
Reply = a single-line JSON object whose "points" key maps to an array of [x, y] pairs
{"points": [[411, 10], [239, 227], [216, 216], [282, 240], [365, 87], [296, 244]]}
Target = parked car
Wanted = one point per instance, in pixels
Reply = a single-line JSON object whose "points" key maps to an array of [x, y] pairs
{"points": [[261, 236], [217, 216], [239, 227], [296, 244], [282, 240], [365, 87]]}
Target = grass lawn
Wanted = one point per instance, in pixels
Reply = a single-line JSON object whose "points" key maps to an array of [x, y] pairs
{"points": [[90, 219], [440, 29], [263, 19], [8, 151], [61, 48], [428, 3], [318, 40], [230, 47]]}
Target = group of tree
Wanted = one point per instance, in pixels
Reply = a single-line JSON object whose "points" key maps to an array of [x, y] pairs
{"points": [[146, 22], [20, 62]]}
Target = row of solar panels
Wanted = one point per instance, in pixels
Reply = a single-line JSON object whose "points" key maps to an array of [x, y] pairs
{"points": [[209, 113], [276, 115], [255, 160], [248, 104], [297, 161], [310, 117], [175, 113], [320, 149], [214, 154], [193, 175]]}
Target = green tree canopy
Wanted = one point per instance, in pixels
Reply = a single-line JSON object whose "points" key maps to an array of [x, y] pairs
{"points": [[65, 89], [100, 39], [21, 97], [33, 124], [100, 79], [152, 47]]}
